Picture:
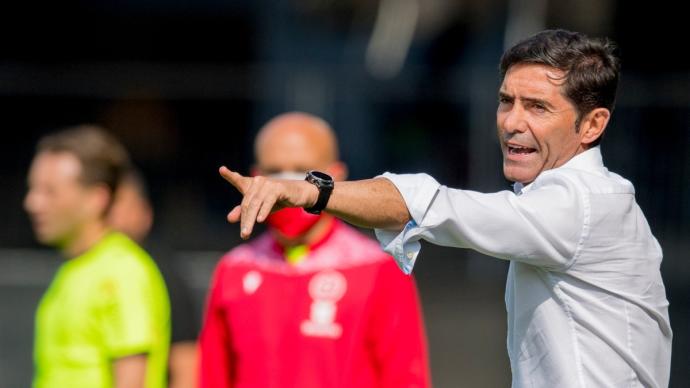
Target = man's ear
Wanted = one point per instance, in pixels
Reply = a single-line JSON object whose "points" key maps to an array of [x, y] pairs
{"points": [[99, 199], [593, 125], [337, 170]]}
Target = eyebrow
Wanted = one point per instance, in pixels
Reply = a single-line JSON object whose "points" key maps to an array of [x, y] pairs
{"points": [[532, 100]]}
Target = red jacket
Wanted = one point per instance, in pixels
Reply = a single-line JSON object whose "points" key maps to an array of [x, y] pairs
{"points": [[344, 317]]}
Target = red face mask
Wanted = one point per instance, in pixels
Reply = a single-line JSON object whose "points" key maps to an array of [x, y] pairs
{"points": [[292, 222]]}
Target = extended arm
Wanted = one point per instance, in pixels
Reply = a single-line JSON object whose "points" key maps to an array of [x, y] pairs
{"points": [[371, 203]]}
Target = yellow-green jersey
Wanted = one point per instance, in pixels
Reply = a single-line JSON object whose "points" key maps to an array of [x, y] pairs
{"points": [[108, 303]]}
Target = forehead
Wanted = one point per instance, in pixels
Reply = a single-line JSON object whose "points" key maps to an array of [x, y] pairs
{"points": [[533, 80], [55, 167], [288, 151]]}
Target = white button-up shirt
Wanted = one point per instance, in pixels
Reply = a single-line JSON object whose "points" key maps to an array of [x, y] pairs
{"points": [[585, 300]]}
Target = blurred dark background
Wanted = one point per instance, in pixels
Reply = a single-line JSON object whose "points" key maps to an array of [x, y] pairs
{"points": [[408, 85]]}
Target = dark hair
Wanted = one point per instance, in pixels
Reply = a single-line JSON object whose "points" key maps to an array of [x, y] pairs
{"points": [[591, 67], [103, 158]]}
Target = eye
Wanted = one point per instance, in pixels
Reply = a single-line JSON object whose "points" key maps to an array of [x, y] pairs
{"points": [[538, 107], [504, 100]]}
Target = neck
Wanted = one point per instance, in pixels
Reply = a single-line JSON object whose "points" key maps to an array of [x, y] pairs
{"points": [[86, 238], [313, 236]]}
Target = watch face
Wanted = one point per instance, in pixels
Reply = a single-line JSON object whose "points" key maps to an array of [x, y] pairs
{"points": [[320, 175], [325, 185]]}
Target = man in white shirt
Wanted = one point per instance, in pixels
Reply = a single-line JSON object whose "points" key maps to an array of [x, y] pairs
{"points": [[585, 299]]}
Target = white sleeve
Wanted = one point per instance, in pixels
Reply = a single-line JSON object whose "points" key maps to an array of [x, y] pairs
{"points": [[542, 227]]}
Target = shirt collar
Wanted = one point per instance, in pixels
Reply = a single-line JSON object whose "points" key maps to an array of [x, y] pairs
{"points": [[588, 160]]}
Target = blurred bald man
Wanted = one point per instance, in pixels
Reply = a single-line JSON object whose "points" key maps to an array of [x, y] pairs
{"points": [[312, 302]]}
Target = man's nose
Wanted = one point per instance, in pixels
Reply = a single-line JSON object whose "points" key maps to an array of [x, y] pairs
{"points": [[32, 202], [514, 120]]}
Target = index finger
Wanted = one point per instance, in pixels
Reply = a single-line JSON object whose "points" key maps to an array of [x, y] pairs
{"points": [[240, 182]]}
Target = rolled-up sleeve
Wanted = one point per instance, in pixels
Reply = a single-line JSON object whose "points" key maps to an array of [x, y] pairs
{"points": [[542, 227], [418, 191]]}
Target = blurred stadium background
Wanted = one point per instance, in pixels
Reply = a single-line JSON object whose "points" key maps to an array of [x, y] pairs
{"points": [[409, 86]]}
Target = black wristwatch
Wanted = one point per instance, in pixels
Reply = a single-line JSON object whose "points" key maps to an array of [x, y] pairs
{"points": [[324, 183]]}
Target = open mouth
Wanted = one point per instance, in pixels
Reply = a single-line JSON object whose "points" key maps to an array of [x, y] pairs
{"points": [[520, 150]]}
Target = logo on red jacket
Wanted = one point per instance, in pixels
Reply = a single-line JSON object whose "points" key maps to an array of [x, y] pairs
{"points": [[251, 281], [326, 288]]}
